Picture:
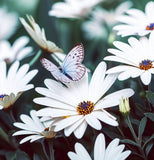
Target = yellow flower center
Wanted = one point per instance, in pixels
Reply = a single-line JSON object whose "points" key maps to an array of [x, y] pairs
{"points": [[145, 65], [84, 108]]}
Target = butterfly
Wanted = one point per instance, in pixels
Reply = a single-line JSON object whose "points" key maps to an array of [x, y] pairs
{"points": [[71, 68]]}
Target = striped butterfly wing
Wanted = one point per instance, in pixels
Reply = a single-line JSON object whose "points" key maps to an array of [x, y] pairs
{"points": [[55, 71], [72, 66]]}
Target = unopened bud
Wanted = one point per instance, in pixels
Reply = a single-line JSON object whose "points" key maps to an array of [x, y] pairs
{"points": [[124, 107]]}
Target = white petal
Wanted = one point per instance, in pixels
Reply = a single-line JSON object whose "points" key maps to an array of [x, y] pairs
{"points": [[71, 128], [96, 81], [53, 103], [93, 121], [27, 139], [106, 118], [81, 153], [67, 122], [79, 132], [23, 132], [114, 99], [99, 147], [146, 77]]}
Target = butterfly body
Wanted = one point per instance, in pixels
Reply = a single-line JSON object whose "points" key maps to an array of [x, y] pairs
{"points": [[71, 69]]}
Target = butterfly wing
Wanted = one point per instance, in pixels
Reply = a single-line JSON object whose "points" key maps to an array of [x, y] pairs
{"points": [[55, 71], [72, 66]]}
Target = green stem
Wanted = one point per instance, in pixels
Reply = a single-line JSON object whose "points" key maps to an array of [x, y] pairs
{"points": [[120, 131], [50, 143], [131, 128], [35, 58], [4, 135], [44, 150], [134, 135]]}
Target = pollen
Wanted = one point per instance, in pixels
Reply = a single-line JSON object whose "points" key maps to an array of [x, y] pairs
{"points": [[46, 129], [145, 65], [150, 27], [2, 96], [85, 108]]}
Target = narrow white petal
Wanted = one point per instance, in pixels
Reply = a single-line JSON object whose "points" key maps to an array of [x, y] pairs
{"points": [[73, 156], [99, 147], [36, 138], [93, 121], [124, 155], [146, 77], [27, 139], [96, 81], [114, 99], [102, 116], [79, 132], [68, 131], [45, 101], [23, 132], [67, 122]]}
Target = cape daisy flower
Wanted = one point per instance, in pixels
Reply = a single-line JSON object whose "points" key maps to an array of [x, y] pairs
{"points": [[38, 35], [33, 127], [15, 52], [14, 83], [8, 23], [96, 26], [137, 56], [73, 8], [113, 150], [79, 103], [136, 22]]}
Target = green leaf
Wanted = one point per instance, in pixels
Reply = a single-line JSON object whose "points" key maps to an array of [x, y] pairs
{"points": [[22, 155], [150, 97], [148, 141], [142, 127], [150, 116], [148, 148], [10, 156], [129, 142], [37, 157]]}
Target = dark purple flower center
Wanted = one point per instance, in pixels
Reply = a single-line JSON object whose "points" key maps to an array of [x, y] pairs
{"points": [[150, 27], [145, 65], [84, 108]]}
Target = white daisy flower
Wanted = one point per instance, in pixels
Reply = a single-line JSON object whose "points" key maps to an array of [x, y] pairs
{"points": [[8, 23], [15, 52], [80, 103], [14, 83], [96, 26], [138, 59], [136, 22], [33, 127], [73, 8], [114, 151], [38, 35]]}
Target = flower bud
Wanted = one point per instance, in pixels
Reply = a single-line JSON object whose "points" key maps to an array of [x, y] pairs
{"points": [[124, 107]]}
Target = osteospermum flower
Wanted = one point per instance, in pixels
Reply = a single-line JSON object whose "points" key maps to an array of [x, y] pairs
{"points": [[114, 151], [8, 23], [15, 52], [73, 8], [96, 26], [138, 59], [38, 35], [14, 83], [136, 22], [80, 103], [34, 128]]}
